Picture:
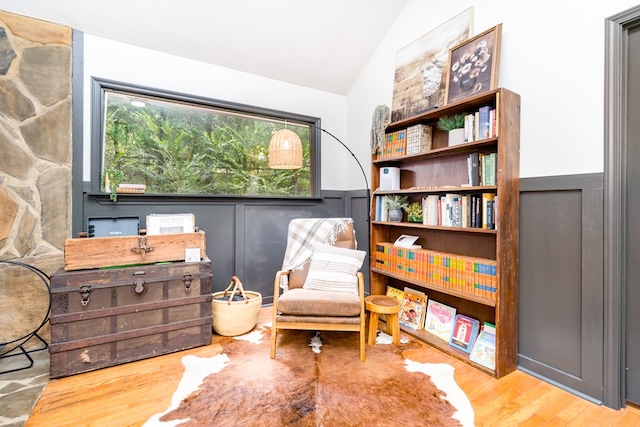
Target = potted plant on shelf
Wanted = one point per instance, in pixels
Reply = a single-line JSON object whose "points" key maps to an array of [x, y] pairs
{"points": [[396, 203], [453, 124], [414, 212], [112, 177]]}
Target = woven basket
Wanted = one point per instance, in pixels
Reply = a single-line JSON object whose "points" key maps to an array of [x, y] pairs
{"points": [[232, 318]]}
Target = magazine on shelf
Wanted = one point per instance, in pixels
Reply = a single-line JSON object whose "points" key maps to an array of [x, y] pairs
{"points": [[413, 309], [407, 241], [439, 319], [484, 349], [396, 293], [465, 330]]}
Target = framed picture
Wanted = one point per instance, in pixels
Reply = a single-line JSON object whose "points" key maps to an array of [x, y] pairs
{"points": [[473, 65], [421, 67]]}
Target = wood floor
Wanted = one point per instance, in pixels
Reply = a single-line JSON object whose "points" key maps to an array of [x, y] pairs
{"points": [[127, 395]]}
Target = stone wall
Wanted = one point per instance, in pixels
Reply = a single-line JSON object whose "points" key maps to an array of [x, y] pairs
{"points": [[35, 155]]}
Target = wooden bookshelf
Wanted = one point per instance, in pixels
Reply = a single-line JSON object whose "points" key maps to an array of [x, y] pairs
{"points": [[442, 170]]}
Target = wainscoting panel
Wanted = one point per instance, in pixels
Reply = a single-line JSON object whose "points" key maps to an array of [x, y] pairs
{"points": [[561, 281], [244, 237]]}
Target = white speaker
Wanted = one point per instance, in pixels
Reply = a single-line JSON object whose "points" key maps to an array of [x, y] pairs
{"points": [[389, 178]]}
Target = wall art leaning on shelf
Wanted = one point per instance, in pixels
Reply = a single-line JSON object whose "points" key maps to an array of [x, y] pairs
{"points": [[473, 65], [419, 81]]}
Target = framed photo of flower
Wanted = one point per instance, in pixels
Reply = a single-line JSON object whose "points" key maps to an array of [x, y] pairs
{"points": [[473, 65]]}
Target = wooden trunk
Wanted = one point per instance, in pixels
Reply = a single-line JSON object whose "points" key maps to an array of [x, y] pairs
{"points": [[105, 317], [97, 252]]}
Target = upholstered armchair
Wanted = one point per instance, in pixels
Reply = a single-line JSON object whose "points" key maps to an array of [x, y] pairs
{"points": [[320, 287]]}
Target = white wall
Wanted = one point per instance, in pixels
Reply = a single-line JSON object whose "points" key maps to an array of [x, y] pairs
{"points": [[111, 60], [552, 55]]}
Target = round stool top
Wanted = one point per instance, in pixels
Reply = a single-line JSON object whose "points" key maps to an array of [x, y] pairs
{"points": [[382, 304]]}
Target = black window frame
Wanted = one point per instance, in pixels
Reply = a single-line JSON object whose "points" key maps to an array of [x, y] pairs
{"points": [[98, 110]]}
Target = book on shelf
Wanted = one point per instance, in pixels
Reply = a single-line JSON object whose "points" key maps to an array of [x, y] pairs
{"points": [[381, 256], [476, 126], [484, 122], [418, 139], [439, 319], [469, 126], [466, 211], [465, 330], [396, 293], [484, 349], [488, 165], [432, 209], [414, 305], [487, 211], [382, 213], [492, 123], [473, 166]]}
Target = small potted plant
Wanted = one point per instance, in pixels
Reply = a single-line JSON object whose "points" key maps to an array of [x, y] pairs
{"points": [[112, 177], [414, 212], [396, 203], [453, 124]]}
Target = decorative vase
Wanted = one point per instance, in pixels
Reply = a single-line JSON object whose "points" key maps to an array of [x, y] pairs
{"points": [[456, 137], [395, 215]]}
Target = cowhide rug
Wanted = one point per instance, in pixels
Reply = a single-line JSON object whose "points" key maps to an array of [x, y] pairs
{"points": [[243, 386]]}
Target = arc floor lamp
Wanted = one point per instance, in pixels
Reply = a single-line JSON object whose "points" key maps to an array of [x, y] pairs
{"points": [[285, 152]]}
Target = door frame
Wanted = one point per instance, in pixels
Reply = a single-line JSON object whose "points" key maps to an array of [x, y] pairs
{"points": [[615, 123]]}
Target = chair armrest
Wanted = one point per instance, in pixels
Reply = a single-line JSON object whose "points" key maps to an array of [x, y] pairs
{"points": [[361, 292], [276, 284]]}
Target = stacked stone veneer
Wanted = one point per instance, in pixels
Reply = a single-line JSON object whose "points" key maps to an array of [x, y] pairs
{"points": [[35, 152]]}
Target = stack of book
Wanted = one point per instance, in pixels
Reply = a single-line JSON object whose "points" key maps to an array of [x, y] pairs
{"points": [[469, 275], [418, 139], [480, 124], [395, 145]]}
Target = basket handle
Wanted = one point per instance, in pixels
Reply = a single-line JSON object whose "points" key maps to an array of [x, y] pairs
{"points": [[237, 287]]}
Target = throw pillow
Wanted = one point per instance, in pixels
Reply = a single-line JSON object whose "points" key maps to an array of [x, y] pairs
{"points": [[334, 269]]}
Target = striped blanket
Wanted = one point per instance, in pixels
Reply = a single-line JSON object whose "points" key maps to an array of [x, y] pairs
{"points": [[305, 233]]}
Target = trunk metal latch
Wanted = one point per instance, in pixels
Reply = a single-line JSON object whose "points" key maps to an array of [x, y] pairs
{"points": [[187, 279], [85, 293], [138, 282]]}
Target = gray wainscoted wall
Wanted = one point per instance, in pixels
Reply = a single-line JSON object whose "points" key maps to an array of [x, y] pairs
{"points": [[244, 237], [561, 281]]}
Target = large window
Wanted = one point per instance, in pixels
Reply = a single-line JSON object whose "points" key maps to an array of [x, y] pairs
{"points": [[181, 144]]}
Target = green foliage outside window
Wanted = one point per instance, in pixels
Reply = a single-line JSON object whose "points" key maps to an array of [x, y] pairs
{"points": [[178, 148]]}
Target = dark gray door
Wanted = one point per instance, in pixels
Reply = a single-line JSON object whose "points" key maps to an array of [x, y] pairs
{"points": [[632, 179]]}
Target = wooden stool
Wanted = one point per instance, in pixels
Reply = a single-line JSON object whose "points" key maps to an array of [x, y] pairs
{"points": [[389, 306]]}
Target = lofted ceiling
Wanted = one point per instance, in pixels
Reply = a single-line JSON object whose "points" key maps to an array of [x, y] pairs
{"points": [[319, 44]]}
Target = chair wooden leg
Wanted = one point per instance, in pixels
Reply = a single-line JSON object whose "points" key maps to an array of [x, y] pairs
{"points": [[274, 332], [362, 343]]}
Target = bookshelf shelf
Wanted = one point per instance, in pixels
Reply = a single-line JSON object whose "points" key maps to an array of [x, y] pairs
{"points": [[438, 288], [443, 171], [438, 343], [434, 227]]}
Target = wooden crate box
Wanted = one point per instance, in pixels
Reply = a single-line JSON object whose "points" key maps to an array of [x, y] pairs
{"points": [[106, 317], [97, 252]]}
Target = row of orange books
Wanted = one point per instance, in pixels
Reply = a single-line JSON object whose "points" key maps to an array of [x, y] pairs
{"points": [[470, 275], [395, 145]]}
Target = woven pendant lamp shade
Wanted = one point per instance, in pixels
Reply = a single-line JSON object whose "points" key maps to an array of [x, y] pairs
{"points": [[285, 150]]}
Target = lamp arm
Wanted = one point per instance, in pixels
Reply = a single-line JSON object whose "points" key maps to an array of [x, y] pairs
{"points": [[364, 175]]}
